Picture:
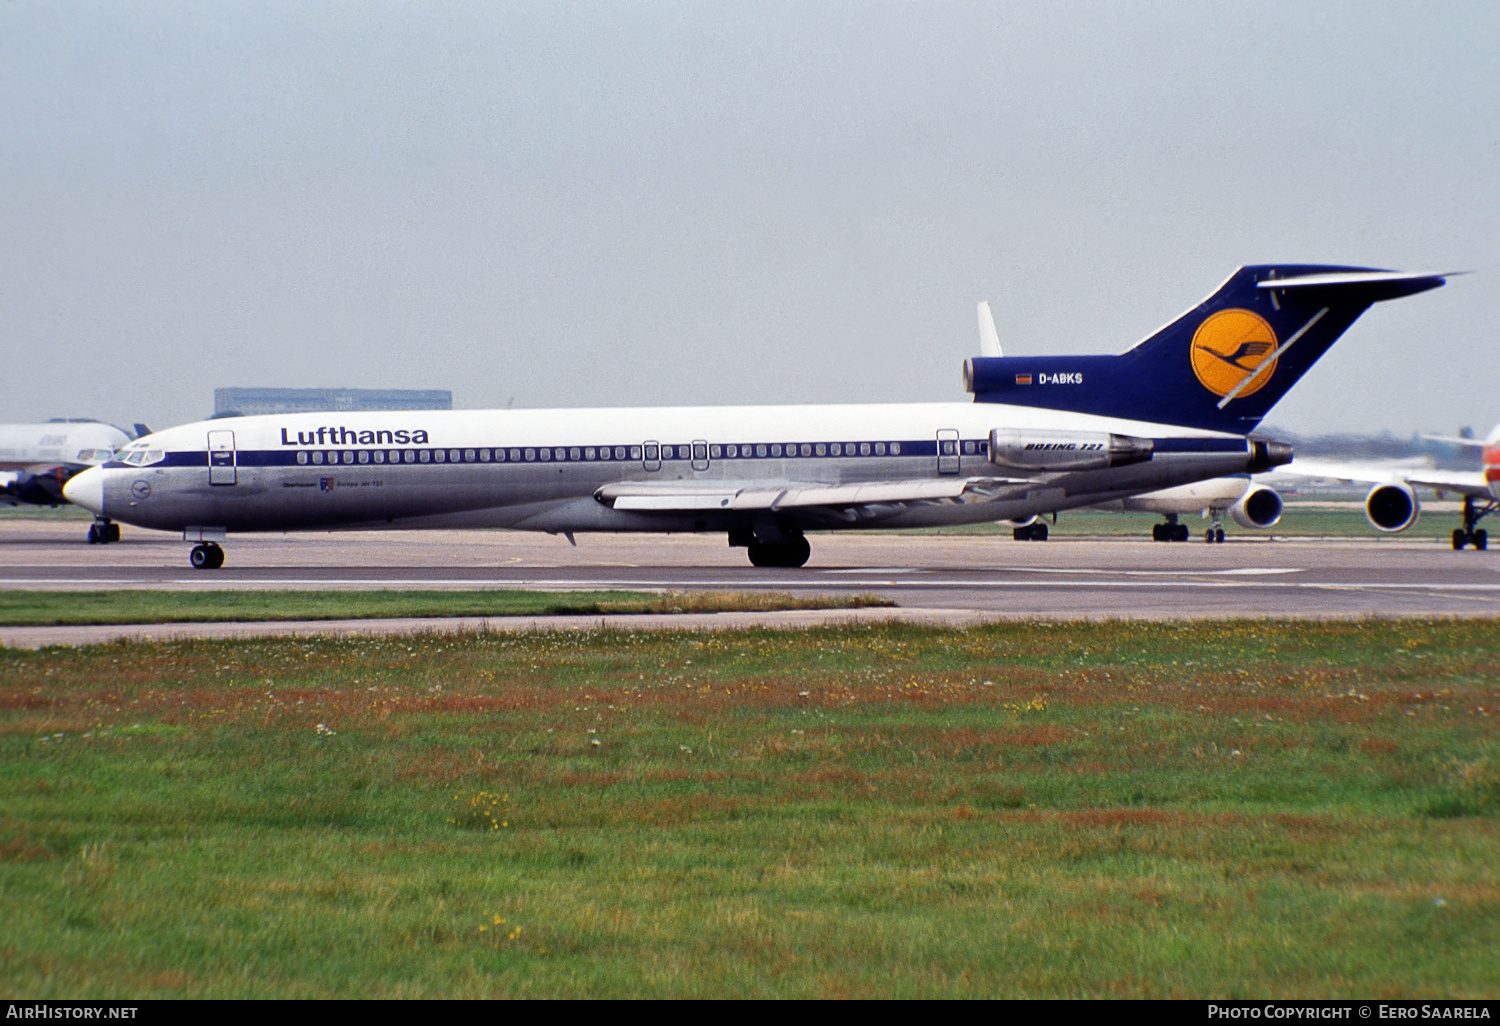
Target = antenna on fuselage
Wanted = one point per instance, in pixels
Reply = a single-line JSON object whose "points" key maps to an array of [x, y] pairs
{"points": [[989, 338]]}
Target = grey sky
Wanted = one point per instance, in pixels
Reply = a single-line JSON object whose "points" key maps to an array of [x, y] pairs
{"points": [[632, 204]]}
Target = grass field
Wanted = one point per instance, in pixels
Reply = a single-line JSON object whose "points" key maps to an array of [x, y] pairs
{"points": [[1216, 809], [42, 608]]}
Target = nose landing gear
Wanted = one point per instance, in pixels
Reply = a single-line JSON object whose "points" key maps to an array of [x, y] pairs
{"points": [[1215, 534], [206, 556], [103, 531]]}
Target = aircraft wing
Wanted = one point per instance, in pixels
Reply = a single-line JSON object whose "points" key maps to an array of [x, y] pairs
{"points": [[676, 497], [1461, 482]]}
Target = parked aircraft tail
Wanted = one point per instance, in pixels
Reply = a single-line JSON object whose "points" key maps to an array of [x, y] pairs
{"points": [[1221, 365]]}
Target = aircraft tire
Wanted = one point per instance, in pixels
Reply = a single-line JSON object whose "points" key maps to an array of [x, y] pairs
{"points": [[1159, 532], [109, 533], [1208, 535], [1038, 531], [1180, 532], [1481, 539], [794, 552], [206, 556], [94, 534], [1460, 539], [1219, 536]]}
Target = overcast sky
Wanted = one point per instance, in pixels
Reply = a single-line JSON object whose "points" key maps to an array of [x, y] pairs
{"points": [[649, 203]]}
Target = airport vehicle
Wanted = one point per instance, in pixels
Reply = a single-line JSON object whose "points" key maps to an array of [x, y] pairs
{"points": [[1077, 432], [37, 460], [1392, 503]]}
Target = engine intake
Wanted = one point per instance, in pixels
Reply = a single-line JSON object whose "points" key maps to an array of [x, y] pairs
{"points": [[1029, 449], [1392, 507], [1259, 507]]}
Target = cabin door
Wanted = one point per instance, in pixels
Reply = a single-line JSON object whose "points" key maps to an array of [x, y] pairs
{"points": [[221, 458], [947, 451]]}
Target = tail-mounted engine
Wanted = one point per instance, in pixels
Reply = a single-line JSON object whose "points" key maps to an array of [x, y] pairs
{"points": [[1034, 450]]}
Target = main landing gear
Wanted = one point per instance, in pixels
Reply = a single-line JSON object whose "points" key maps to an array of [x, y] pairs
{"points": [[206, 556], [1034, 531], [1470, 534], [1170, 531], [772, 545], [103, 531]]}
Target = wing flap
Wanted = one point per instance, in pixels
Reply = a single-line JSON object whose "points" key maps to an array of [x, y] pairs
{"points": [[647, 497]]}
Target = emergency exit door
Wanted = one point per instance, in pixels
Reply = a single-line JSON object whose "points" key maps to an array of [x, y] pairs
{"points": [[221, 458]]}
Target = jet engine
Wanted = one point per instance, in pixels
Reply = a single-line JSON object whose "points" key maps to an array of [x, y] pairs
{"points": [[1031, 449], [1258, 507], [1392, 507]]}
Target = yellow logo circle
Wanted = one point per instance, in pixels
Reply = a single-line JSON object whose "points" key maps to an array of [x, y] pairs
{"points": [[1228, 347]]}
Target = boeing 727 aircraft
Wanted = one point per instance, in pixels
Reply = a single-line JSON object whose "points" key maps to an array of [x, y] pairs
{"points": [[1064, 433]]}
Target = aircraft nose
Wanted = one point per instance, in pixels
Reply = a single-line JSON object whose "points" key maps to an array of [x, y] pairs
{"points": [[86, 489]]}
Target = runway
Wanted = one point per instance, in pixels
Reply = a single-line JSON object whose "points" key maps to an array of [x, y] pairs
{"points": [[963, 575]]}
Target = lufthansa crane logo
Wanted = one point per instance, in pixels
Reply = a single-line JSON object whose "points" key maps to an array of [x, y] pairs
{"points": [[1228, 347]]}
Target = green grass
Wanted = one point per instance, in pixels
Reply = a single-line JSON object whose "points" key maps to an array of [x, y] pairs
{"points": [[46, 608], [1208, 809]]}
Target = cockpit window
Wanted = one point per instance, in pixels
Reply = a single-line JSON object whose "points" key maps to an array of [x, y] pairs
{"points": [[145, 457]]}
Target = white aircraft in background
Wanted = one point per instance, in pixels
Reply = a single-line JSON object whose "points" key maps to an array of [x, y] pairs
{"points": [[37, 460], [1392, 504], [1040, 435]]}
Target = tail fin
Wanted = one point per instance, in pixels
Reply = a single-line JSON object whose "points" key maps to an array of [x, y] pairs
{"points": [[1221, 365]]}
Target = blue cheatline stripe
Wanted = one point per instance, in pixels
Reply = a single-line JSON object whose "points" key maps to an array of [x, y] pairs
{"points": [[633, 454]]}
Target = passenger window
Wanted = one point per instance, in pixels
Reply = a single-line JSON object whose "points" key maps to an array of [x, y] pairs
{"points": [[635, 452], [733, 452], [484, 455], [776, 450], [468, 455], [895, 448], [424, 456], [714, 452], [410, 455], [604, 453], [864, 448], [836, 449], [652, 453], [760, 450], [317, 457], [879, 448], [379, 455], [620, 452], [515, 455], [588, 452], [546, 455], [364, 455], [968, 448], [700, 451], [530, 455], [821, 449], [806, 449], [302, 457], [439, 455], [574, 454], [452, 455]]}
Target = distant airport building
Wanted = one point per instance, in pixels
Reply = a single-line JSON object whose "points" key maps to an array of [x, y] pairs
{"points": [[247, 402]]}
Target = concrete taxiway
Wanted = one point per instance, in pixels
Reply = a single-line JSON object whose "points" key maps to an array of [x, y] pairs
{"points": [[950, 578]]}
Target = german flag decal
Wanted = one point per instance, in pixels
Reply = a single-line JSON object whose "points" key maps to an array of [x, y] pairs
{"points": [[1023, 379]]}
